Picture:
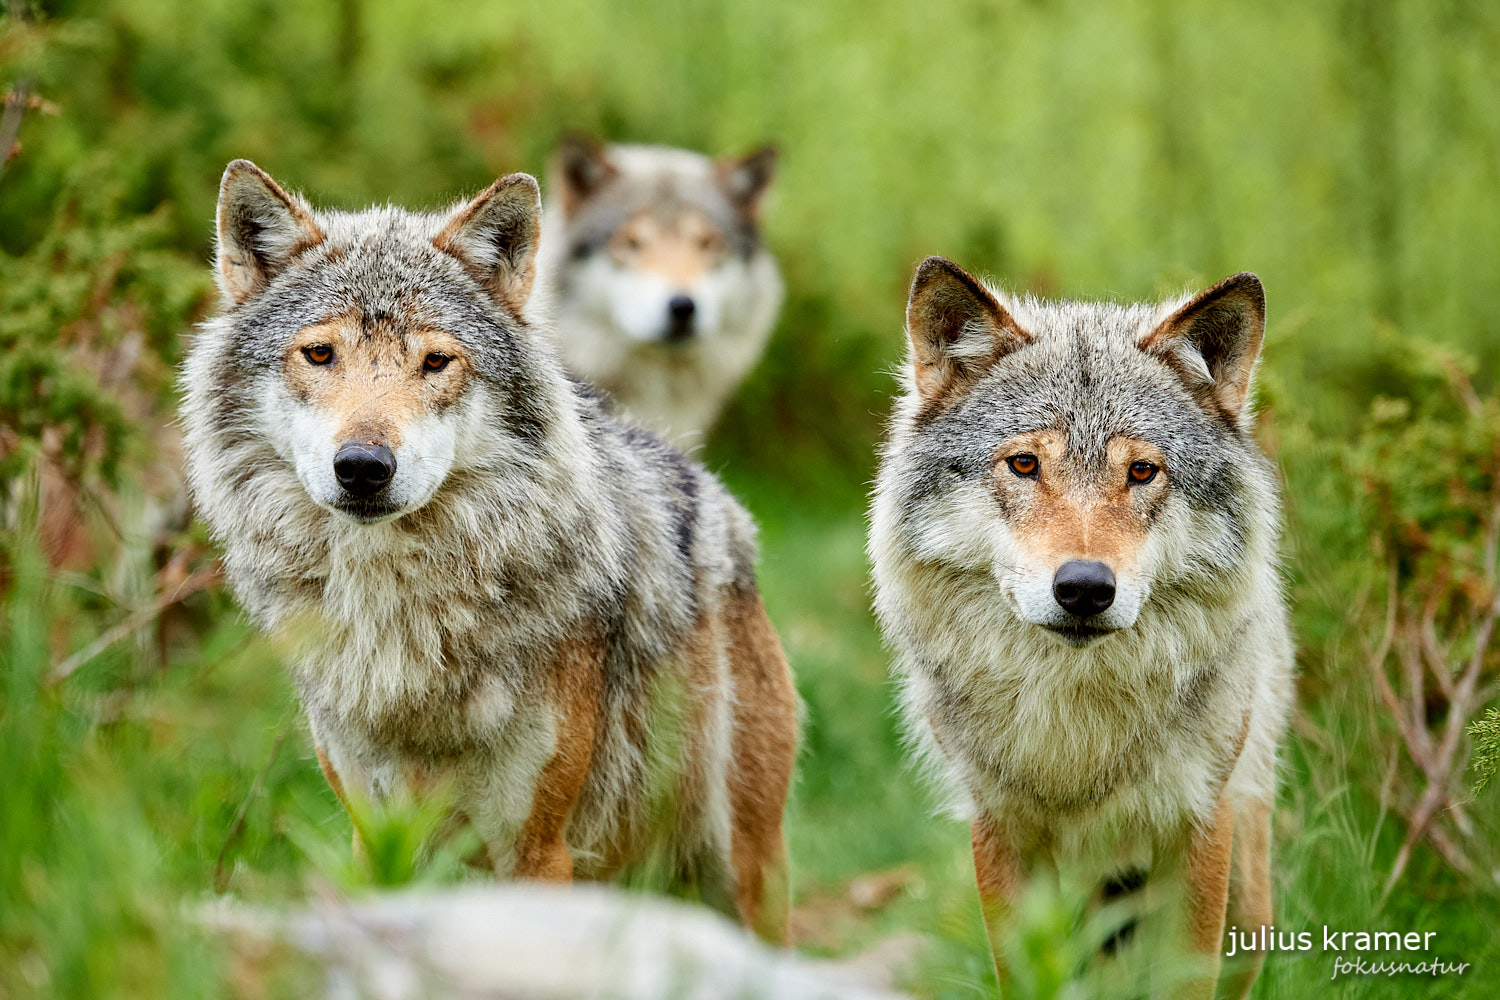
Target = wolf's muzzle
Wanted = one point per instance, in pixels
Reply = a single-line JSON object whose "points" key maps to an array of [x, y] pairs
{"points": [[364, 469], [1084, 587], [680, 312]]}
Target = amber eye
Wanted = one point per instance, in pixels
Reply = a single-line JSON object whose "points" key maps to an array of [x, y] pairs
{"points": [[632, 244], [707, 243], [435, 362], [1023, 465], [318, 354], [1142, 472]]}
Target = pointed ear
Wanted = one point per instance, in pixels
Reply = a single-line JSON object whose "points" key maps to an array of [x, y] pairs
{"points": [[956, 327], [495, 236], [260, 229], [746, 178], [579, 168], [1214, 339]]}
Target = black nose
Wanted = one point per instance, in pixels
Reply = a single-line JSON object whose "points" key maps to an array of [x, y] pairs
{"points": [[680, 311], [1084, 587], [364, 469]]}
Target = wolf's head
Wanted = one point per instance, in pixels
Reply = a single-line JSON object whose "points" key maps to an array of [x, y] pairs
{"points": [[376, 352], [658, 239], [1091, 458]]}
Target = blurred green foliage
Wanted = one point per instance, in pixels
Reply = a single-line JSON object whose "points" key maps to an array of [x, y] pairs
{"points": [[1486, 733], [1346, 150]]}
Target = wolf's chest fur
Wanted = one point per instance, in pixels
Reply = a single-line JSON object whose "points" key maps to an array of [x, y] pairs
{"points": [[1121, 739], [420, 646]]}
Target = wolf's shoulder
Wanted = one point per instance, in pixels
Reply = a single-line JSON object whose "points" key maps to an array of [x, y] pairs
{"points": [[660, 485]]}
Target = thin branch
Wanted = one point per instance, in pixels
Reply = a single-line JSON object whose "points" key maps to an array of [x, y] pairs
{"points": [[1463, 704], [1388, 634], [1460, 816], [1451, 852], [16, 103], [1383, 650], [1387, 787], [237, 826], [1410, 655], [1492, 541], [1432, 799], [201, 580], [1465, 387], [1432, 650], [1393, 706]]}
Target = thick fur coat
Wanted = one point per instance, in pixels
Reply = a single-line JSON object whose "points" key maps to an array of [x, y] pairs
{"points": [[487, 580], [1035, 435]]}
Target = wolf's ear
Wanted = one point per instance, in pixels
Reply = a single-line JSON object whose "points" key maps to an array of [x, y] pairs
{"points": [[579, 168], [495, 236], [1213, 341], [746, 178], [260, 229], [957, 329]]}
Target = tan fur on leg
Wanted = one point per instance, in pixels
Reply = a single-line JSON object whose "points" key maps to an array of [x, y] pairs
{"points": [[765, 748], [1205, 869], [1001, 878], [542, 852], [1249, 892], [331, 776], [356, 846]]}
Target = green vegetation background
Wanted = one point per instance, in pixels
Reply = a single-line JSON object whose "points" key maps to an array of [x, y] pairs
{"points": [[1348, 151]]}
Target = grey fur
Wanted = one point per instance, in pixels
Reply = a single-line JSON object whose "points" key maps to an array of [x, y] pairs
{"points": [[1088, 756], [425, 639], [612, 318]]}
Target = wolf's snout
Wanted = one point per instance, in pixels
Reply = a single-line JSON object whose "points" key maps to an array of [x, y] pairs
{"points": [[680, 310], [364, 469], [1084, 587]]}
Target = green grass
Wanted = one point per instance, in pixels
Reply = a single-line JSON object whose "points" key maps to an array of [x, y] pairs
{"points": [[124, 789]]}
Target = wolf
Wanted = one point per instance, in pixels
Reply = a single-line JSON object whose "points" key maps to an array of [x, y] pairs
{"points": [[1074, 546], [664, 294], [489, 584]]}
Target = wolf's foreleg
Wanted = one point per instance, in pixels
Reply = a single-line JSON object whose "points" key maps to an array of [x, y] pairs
{"points": [[764, 750], [1001, 875], [541, 850], [354, 772], [1195, 930], [1249, 892]]}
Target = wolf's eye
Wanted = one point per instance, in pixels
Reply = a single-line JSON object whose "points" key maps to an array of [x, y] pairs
{"points": [[318, 354], [1142, 472], [1023, 465], [632, 244], [435, 362]]}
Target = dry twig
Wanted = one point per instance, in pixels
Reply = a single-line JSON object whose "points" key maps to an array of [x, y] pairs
{"points": [[201, 580]]}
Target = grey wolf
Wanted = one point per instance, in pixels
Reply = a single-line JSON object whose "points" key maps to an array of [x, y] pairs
{"points": [[488, 581], [664, 294], [1074, 540]]}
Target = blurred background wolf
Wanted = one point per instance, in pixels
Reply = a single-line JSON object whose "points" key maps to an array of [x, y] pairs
{"points": [[662, 292], [1344, 150]]}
